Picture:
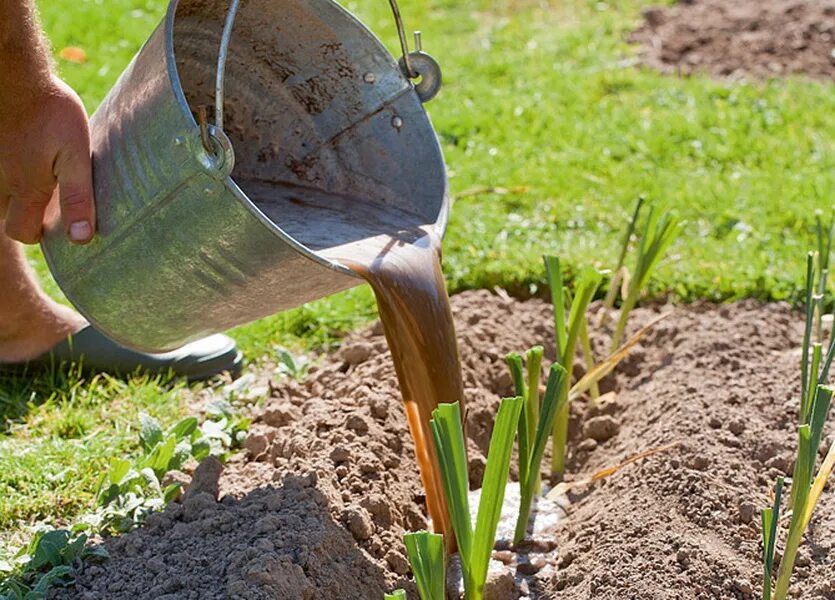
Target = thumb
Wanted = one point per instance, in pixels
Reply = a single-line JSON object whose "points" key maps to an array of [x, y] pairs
{"points": [[74, 171]]}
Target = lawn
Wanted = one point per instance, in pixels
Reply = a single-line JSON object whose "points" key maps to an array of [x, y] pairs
{"points": [[542, 99]]}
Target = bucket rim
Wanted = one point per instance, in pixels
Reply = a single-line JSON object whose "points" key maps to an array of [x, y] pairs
{"points": [[440, 223]]}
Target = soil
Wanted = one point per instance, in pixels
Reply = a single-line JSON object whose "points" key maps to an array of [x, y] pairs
{"points": [[739, 38], [317, 505]]}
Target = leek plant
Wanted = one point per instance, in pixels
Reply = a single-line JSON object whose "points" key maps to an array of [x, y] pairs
{"points": [[658, 233], [567, 333], [529, 390], [770, 518], [427, 556], [535, 425], [395, 595], [815, 402], [806, 493], [475, 544], [618, 273], [814, 365]]}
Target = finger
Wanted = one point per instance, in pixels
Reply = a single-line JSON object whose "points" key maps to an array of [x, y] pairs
{"points": [[73, 169], [4, 205], [24, 217]]}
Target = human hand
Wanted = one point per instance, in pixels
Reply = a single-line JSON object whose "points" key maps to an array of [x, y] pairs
{"points": [[44, 142]]}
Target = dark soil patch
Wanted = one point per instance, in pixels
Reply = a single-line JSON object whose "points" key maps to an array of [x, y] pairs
{"points": [[318, 505], [738, 38]]}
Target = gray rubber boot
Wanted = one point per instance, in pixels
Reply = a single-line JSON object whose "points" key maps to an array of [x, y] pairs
{"points": [[97, 353]]}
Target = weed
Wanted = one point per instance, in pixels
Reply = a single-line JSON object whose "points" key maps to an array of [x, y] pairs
{"points": [[50, 559]]}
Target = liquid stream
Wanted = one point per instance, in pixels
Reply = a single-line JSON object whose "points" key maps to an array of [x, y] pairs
{"points": [[399, 255]]}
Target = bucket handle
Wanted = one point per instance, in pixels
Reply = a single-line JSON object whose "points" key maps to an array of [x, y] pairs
{"points": [[415, 65], [219, 153], [221, 62]]}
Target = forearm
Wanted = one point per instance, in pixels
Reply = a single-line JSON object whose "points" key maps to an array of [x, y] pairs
{"points": [[25, 61]]}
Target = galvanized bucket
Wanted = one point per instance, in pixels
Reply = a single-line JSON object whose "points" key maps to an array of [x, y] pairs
{"points": [[314, 107]]}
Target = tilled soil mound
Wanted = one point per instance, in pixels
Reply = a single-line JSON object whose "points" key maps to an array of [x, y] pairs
{"points": [[318, 504], [735, 38]]}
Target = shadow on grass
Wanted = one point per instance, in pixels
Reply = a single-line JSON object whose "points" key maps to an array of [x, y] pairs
{"points": [[24, 389]]}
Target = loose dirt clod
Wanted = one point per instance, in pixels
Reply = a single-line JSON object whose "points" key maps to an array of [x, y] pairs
{"points": [[738, 38], [322, 510]]}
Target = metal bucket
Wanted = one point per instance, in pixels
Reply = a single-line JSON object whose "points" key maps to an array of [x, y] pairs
{"points": [[315, 107]]}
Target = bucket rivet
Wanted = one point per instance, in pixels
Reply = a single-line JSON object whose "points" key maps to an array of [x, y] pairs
{"points": [[179, 140], [369, 78], [396, 122], [208, 191]]}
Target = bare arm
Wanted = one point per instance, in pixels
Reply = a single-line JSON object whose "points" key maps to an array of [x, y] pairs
{"points": [[44, 135]]}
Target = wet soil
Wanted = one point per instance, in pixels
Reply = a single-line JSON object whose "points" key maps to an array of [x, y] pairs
{"points": [[741, 38], [317, 505]]}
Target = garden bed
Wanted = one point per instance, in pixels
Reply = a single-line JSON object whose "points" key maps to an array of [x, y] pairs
{"points": [[317, 505], [739, 38]]}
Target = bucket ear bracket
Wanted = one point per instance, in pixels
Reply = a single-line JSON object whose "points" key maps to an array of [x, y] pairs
{"points": [[420, 65], [417, 64]]}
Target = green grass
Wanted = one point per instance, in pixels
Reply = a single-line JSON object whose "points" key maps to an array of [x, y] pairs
{"points": [[537, 94]]}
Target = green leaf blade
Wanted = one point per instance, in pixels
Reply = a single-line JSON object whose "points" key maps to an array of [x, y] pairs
{"points": [[428, 559], [493, 488]]}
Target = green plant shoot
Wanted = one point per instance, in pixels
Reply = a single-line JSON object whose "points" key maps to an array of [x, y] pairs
{"points": [[804, 491], [395, 595], [617, 274], [427, 556], [658, 234], [824, 236], [530, 458], [566, 342], [528, 389], [770, 519], [475, 545]]}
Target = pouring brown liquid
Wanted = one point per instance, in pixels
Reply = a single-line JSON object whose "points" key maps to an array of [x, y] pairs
{"points": [[399, 255]]}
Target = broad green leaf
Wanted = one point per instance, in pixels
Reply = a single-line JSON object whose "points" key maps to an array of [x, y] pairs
{"points": [[61, 572], [200, 449], [163, 454], [97, 551], [150, 432], [171, 492], [219, 407], [119, 470], [151, 480], [74, 550], [185, 428], [49, 548], [182, 451]]}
